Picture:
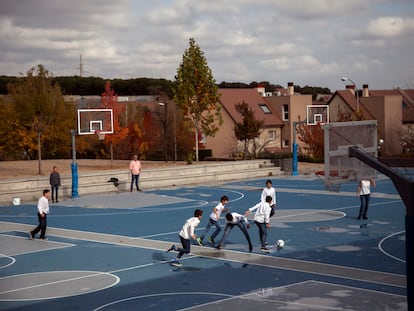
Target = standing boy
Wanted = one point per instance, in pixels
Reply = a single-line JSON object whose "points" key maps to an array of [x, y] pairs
{"points": [[262, 220], [235, 219], [364, 192], [214, 221], [42, 211], [135, 168], [269, 191], [186, 233], [54, 180]]}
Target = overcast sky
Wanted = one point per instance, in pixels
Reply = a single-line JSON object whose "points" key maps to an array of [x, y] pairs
{"points": [[308, 42]]}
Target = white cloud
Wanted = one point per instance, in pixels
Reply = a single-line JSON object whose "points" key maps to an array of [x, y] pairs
{"points": [[386, 27], [305, 41]]}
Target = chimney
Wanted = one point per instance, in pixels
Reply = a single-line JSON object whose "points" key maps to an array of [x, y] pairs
{"points": [[365, 90], [351, 88], [261, 89], [291, 89]]}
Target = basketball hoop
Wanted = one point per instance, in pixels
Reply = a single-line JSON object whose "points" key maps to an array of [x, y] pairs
{"points": [[100, 135]]}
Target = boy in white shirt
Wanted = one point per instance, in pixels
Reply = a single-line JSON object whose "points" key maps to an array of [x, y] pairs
{"points": [[214, 221], [364, 192], [262, 220], [42, 211], [235, 219], [269, 191], [186, 233]]}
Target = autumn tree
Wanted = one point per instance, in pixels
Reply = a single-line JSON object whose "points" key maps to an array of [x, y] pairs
{"points": [[313, 137], [109, 100], [249, 128], [195, 92], [40, 117]]}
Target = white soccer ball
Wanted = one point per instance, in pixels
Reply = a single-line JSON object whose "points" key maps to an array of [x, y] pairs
{"points": [[280, 243]]}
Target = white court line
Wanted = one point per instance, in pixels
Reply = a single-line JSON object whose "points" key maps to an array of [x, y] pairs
{"points": [[288, 303], [158, 295], [385, 252], [94, 273], [138, 210], [13, 260]]}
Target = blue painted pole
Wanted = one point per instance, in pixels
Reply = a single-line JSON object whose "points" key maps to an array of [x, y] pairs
{"points": [[295, 159], [74, 167]]}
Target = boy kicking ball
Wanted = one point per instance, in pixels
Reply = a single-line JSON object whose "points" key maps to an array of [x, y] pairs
{"points": [[186, 233]]}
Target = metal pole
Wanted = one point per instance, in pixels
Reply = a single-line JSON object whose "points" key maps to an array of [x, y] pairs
{"points": [[74, 167], [295, 148], [175, 134]]}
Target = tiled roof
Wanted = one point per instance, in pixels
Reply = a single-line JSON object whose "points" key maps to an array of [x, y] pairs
{"points": [[230, 97], [351, 101]]}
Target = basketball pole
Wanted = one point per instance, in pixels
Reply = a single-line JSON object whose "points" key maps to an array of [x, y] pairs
{"points": [[405, 188], [295, 148], [74, 166]]}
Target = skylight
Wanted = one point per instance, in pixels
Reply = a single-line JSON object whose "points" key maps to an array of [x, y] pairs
{"points": [[265, 108]]}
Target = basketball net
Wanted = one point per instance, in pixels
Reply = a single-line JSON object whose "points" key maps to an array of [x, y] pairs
{"points": [[100, 135]]}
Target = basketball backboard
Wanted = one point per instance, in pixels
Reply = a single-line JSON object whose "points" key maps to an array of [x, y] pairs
{"points": [[92, 121], [317, 114], [338, 137]]}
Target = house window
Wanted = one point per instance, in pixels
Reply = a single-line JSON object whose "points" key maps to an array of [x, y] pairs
{"points": [[265, 108], [272, 135], [285, 113], [285, 143]]}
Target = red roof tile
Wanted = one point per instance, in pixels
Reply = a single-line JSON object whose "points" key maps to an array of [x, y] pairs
{"points": [[230, 97]]}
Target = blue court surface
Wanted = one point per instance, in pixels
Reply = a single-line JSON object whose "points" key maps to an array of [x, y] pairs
{"points": [[108, 252]]}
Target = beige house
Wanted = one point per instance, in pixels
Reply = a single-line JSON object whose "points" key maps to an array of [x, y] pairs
{"points": [[393, 110], [225, 144], [291, 108]]}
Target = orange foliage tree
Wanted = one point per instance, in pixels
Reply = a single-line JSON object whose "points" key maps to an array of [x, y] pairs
{"points": [[109, 100], [312, 136]]}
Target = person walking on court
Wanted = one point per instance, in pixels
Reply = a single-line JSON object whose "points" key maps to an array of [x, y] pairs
{"points": [[135, 168], [54, 180], [214, 221], [269, 191], [186, 234], [262, 220], [42, 211], [364, 192], [232, 220]]}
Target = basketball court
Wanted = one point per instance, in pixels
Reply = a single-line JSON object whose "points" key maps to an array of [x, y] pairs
{"points": [[108, 252]]}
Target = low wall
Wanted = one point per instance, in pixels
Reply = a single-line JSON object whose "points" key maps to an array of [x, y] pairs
{"points": [[29, 189]]}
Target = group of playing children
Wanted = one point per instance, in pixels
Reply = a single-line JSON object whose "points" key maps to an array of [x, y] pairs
{"points": [[264, 210]]}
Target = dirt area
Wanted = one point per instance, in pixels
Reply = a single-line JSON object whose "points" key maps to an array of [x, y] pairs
{"points": [[20, 169]]}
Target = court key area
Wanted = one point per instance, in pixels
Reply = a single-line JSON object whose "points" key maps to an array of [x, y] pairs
{"points": [[108, 251]]}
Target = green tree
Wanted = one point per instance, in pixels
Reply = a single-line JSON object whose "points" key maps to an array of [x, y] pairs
{"points": [[40, 115], [195, 92], [249, 128]]}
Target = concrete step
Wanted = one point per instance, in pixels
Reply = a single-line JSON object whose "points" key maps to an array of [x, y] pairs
{"points": [[28, 190]]}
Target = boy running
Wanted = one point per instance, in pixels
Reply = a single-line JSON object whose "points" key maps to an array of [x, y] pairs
{"points": [[214, 221], [235, 219], [262, 220], [186, 233]]}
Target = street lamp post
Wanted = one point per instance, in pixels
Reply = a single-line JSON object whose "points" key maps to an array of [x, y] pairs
{"points": [[356, 91]]}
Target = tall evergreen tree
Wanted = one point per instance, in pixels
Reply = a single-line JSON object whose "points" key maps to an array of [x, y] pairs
{"points": [[195, 92]]}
